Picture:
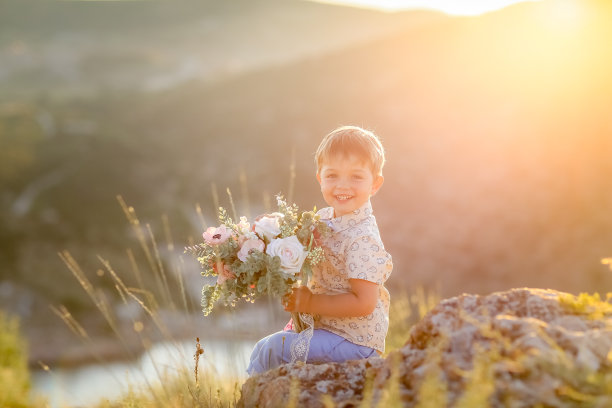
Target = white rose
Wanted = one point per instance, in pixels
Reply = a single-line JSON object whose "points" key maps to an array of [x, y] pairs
{"points": [[291, 253], [269, 226]]}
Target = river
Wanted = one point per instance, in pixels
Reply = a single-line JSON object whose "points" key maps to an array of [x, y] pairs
{"points": [[86, 385]]}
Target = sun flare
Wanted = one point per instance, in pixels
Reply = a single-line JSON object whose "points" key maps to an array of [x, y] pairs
{"points": [[452, 7]]}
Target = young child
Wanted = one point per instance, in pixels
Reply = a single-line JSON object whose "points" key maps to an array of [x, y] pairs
{"points": [[345, 295]]}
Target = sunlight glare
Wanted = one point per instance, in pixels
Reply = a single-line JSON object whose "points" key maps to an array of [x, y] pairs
{"points": [[452, 7], [568, 13]]}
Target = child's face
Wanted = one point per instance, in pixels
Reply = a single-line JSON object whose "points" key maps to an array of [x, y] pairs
{"points": [[347, 183]]}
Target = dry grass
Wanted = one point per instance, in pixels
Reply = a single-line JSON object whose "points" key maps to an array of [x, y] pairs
{"points": [[158, 289]]}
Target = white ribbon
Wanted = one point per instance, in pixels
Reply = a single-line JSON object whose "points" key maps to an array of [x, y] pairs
{"points": [[301, 345]]}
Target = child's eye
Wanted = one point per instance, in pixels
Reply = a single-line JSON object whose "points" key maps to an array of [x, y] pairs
{"points": [[330, 176], [357, 177]]}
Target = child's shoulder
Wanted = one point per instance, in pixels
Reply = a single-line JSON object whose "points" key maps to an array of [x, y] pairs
{"points": [[365, 232]]}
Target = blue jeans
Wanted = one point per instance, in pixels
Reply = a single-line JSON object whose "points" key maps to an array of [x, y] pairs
{"points": [[274, 350]]}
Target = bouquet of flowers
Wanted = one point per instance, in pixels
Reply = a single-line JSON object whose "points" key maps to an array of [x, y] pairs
{"points": [[269, 257]]}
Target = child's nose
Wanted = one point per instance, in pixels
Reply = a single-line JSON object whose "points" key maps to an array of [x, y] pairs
{"points": [[343, 183]]}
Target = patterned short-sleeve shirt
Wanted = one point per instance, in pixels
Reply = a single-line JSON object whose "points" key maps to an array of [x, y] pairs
{"points": [[354, 250]]}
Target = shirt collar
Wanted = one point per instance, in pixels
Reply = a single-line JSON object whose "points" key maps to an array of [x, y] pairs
{"points": [[347, 220]]}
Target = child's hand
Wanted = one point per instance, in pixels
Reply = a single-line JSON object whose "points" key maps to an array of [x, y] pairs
{"points": [[317, 237], [298, 300]]}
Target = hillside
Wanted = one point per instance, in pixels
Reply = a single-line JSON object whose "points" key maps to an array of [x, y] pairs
{"points": [[497, 131], [75, 49]]}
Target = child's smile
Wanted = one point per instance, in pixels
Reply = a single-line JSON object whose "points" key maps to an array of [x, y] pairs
{"points": [[343, 197], [347, 183]]}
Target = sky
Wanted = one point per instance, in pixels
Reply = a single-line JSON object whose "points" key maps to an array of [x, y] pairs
{"points": [[453, 7]]}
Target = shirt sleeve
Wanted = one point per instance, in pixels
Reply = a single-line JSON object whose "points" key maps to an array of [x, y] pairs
{"points": [[367, 259]]}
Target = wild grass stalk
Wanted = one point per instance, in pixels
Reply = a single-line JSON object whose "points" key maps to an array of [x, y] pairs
{"points": [[294, 392], [152, 260], [405, 310], [201, 218], [196, 357], [267, 201], [232, 205], [215, 195], [292, 176], [179, 390], [187, 385], [244, 191], [432, 392], [179, 277], [176, 387], [96, 296], [480, 379], [368, 391], [161, 270], [167, 232], [390, 395]]}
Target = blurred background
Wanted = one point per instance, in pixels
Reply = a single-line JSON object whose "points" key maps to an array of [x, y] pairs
{"points": [[497, 127]]}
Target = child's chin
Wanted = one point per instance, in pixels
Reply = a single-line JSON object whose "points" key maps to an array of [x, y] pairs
{"points": [[343, 209]]}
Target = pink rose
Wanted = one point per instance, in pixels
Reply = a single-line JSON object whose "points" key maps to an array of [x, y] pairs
{"points": [[216, 236], [223, 272], [249, 246]]}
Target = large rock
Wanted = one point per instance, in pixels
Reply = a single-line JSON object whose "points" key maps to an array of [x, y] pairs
{"points": [[520, 348]]}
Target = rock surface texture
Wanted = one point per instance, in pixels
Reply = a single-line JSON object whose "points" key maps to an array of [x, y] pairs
{"points": [[520, 348]]}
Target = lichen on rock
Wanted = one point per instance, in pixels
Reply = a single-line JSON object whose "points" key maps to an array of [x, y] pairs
{"points": [[518, 348]]}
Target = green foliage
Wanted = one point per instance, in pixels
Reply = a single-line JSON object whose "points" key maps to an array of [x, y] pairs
{"points": [[227, 250], [590, 305], [257, 262], [14, 375], [290, 220], [210, 294], [225, 219], [277, 283]]}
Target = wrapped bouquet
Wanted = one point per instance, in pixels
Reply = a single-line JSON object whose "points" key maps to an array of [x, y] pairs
{"points": [[268, 257]]}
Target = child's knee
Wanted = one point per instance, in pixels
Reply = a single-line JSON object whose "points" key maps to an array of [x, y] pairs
{"points": [[272, 351], [279, 347]]}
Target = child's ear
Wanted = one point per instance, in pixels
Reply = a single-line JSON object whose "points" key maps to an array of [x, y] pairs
{"points": [[378, 182], [319, 177]]}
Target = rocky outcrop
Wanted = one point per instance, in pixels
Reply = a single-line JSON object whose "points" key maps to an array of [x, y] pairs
{"points": [[520, 348], [306, 384]]}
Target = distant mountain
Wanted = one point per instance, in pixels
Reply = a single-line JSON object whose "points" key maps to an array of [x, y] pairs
{"points": [[497, 131], [80, 47]]}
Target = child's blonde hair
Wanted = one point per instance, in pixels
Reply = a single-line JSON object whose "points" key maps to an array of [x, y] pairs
{"points": [[352, 140]]}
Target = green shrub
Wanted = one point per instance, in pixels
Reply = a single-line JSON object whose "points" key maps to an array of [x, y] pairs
{"points": [[14, 375]]}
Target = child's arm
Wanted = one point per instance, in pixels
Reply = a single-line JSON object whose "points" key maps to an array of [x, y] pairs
{"points": [[360, 301]]}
